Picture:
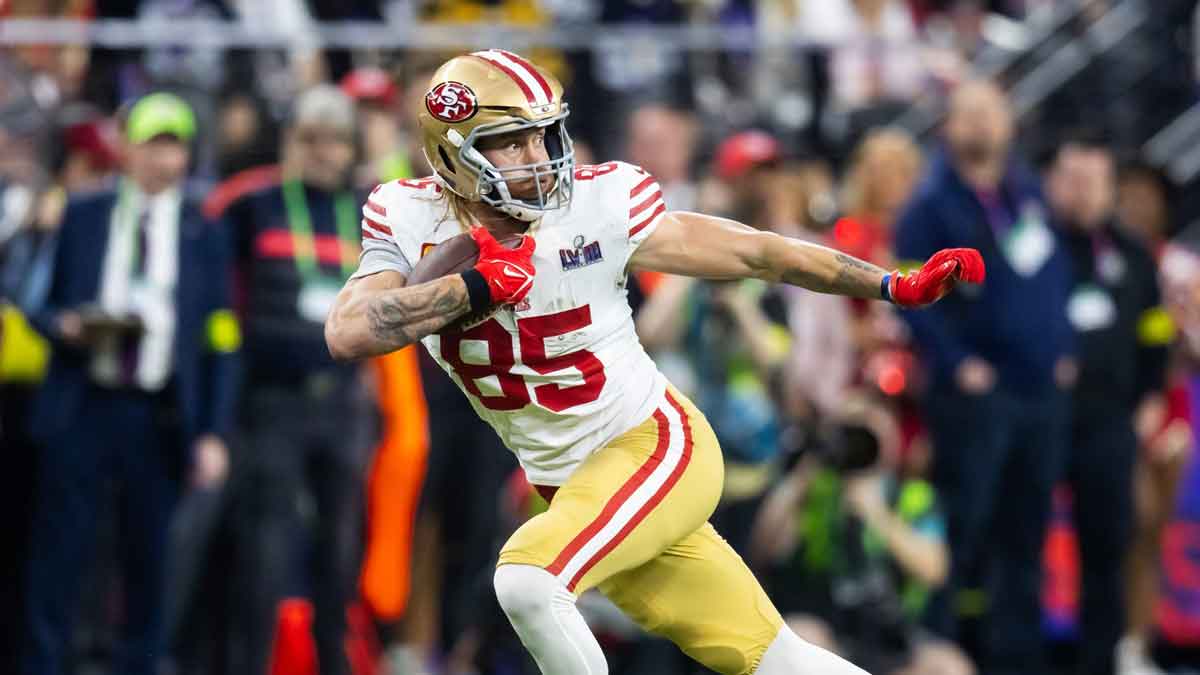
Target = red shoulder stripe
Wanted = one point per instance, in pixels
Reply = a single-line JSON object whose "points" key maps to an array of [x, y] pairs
{"points": [[641, 186], [642, 225]]}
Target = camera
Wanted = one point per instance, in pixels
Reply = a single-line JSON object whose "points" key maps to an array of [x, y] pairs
{"points": [[846, 447], [849, 448]]}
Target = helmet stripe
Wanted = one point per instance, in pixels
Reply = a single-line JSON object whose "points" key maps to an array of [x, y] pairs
{"points": [[533, 71], [511, 73], [519, 74]]}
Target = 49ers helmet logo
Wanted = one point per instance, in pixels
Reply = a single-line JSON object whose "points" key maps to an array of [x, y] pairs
{"points": [[451, 102]]}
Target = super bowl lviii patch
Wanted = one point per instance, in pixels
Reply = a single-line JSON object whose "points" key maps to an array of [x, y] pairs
{"points": [[581, 255]]}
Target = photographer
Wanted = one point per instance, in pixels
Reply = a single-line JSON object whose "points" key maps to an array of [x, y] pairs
{"points": [[852, 547]]}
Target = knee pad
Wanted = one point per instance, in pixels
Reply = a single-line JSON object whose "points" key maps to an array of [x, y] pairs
{"points": [[543, 613], [525, 590]]}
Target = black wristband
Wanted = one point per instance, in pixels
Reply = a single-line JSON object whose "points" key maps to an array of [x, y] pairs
{"points": [[885, 287], [477, 290]]}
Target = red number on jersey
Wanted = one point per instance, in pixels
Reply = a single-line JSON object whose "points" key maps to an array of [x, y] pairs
{"points": [[590, 171], [500, 362], [533, 331]]}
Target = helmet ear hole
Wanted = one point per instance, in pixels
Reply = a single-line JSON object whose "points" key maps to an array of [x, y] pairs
{"points": [[446, 159], [554, 141]]}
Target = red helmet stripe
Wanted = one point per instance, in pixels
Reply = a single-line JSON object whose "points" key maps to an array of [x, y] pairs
{"points": [[532, 71], [519, 74], [508, 71]]}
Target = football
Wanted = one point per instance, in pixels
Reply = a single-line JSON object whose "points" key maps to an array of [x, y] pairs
{"points": [[453, 256]]}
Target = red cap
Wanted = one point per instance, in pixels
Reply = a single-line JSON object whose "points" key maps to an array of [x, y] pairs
{"points": [[95, 138], [369, 84], [743, 151]]}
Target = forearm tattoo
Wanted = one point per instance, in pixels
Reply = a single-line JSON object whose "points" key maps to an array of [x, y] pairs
{"points": [[854, 278], [405, 315]]}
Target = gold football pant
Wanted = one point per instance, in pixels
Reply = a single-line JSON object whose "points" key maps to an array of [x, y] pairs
{"points": [[633, 522]]}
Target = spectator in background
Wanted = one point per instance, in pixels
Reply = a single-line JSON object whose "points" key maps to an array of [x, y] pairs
{"points": [[742, 182], [1165, 432], [23, 127], [412, 98], [1122, 363], [386, 148], [87, 162], [245, 134], [91, 158], [1000, 360], [853, 547], [661, 139], [144, 371], [1143, 205], [277, 74], [878, 183], [821, 363], [883, 172], [305, 429], [733, 339], [876, 54]]}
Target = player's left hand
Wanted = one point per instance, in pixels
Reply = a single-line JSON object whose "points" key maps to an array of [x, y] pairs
{"points": [[936, 277]]}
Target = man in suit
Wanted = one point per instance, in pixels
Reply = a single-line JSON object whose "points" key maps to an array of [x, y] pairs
{"points": [[141, 384], [1001, 361]]}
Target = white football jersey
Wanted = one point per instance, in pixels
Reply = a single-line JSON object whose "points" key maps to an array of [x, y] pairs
{"points": [[562, 373]]}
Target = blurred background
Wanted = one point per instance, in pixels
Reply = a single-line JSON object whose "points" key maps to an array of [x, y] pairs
{"points": [[1006, 483]]}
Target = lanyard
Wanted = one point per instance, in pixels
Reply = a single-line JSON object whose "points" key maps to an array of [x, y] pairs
{"points": [[128, 213], [304, 249]]}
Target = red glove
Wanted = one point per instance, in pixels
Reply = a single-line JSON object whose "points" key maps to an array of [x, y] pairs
{"points": [[508, 272], [935, 278]]}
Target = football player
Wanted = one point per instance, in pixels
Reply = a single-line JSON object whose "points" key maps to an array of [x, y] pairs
{"points": [[550, 359]]}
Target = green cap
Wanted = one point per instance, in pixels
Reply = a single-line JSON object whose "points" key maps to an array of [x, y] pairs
{"points": [[157, 114]]}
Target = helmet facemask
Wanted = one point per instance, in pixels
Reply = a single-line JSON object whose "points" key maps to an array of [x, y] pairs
{"points": [[492, 182]]}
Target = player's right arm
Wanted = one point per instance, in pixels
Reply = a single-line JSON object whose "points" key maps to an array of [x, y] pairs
{"points": [[379, 313]]}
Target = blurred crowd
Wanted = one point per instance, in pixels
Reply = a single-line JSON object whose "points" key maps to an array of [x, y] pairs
{"points": [[1005, 483]]}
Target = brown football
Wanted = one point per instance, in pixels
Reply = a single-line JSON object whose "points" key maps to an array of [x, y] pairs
{"points": [[457, 254]]}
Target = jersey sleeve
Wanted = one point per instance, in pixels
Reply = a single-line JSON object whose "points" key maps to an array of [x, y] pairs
{"points": [[644, 203], [381, 250]]}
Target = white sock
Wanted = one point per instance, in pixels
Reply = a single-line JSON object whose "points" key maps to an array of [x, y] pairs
{"points": [[543, 613], [789, 655]]}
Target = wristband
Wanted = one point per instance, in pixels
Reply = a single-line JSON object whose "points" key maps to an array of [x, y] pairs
{"points": [[477, 290], [885, 288]]}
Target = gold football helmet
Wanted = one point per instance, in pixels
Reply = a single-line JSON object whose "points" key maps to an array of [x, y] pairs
{"points": [[489, 93]]}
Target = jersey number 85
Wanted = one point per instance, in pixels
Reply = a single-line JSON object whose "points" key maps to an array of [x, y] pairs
{"points": [[533, 331]]}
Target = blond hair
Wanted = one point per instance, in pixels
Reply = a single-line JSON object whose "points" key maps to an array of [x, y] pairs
{"points": [[459, 209], [891, 142]]}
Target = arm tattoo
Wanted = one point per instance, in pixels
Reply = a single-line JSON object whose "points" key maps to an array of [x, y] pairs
{"points": [[854, 278], [856, 275], [405, 315]]}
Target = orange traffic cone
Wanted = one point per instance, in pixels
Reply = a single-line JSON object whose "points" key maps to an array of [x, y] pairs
{"points": [[293, 651]]}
